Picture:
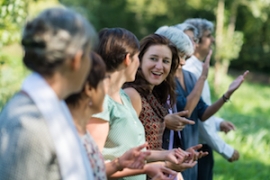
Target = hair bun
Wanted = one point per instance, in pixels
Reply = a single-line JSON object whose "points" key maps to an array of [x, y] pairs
{"points": [[30, 43]]}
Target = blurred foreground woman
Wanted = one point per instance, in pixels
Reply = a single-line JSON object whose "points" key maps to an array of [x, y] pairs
{"points": [[82, 106], [38, 139]]}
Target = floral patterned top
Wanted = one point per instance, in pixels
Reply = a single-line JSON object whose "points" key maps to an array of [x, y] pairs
{"points": [[152, 118], [95, 157]]}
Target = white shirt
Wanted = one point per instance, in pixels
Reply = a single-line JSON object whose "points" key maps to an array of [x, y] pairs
{"points": [[208, 129]]}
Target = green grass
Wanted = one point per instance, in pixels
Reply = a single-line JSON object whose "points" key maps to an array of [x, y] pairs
{"points": [[249, 110]]}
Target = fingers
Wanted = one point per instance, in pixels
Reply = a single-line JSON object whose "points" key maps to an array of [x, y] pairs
{"points": [[168, 171], [235, 156], [139, 148], [202, 154], [189, 164], [180, 155], [245, 73], [186, 121], [231, 125], [182, 113], [197, 147], [208, 58]]}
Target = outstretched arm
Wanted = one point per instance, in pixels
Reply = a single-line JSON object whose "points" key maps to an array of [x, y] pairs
{"points": [[194, 97], [219, 103], [151, 169]]}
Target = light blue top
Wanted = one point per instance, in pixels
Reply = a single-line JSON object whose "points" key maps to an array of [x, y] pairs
{"points": [[126, 130]]}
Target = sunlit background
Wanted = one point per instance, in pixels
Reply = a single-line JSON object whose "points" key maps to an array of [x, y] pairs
{"points": [[242, 29]]}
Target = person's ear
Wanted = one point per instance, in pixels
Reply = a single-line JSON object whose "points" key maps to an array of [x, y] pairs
{"points": [[76, 61], [88, 90], [127, 60]]}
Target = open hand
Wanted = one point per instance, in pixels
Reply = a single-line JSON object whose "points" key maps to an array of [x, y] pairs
{"points": [[134, 158], [190, 163], [194, 154], [236, 84], [176, 156]]}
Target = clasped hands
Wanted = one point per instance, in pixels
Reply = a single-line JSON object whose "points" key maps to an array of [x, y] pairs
{"points": [[185, 159]]}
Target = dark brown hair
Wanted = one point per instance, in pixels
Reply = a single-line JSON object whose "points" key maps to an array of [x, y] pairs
{"points": [[115, 44], [167, 87], [96, 74]]}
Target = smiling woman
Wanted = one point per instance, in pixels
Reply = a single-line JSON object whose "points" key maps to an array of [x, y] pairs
{"points": [[153, 84]]}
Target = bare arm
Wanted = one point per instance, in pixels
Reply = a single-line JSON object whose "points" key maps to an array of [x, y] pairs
{"points": [[94, 127], [219, 103], [151, 169], [195, 95], [135, 98]]}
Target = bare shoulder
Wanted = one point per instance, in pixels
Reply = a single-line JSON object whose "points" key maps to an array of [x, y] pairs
{"points": [[135, 99], [132, 93]]}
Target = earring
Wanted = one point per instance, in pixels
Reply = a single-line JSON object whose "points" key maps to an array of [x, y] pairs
{"points": [[90, 103]]}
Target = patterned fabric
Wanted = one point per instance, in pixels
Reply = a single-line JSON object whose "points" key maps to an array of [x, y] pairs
{"points": [[152, 118], [95, 157], [27, 150], [126, 130]]}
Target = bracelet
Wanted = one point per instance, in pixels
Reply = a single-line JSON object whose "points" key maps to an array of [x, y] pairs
{"points": [[118, 165], [225, 99]]}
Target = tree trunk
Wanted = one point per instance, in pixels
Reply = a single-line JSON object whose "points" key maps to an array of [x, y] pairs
{"points": [[222, 65], [219, 37]]}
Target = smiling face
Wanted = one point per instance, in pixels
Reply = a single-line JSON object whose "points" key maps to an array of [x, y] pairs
{"points": [[156, 64]]}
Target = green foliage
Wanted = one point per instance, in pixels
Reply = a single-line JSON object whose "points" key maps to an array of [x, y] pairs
{"points": [[231, 46], [249, 111], [12, 73], [253, 20], [12, 16]]}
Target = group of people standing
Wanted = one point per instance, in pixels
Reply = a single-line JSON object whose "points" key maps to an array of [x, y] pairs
{"points": [[110, 106]]}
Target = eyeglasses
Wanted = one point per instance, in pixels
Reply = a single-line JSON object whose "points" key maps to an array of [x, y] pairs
{"points": [[208, 35], [194, 39]]}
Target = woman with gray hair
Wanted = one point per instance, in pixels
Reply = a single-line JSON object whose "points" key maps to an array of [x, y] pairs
{"points": [[180, 39], [38, 139]]}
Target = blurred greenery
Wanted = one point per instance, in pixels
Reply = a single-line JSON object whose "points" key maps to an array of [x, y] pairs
{"points": [[13, 14], [245, 34], [249, 111], [12, 72]]}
